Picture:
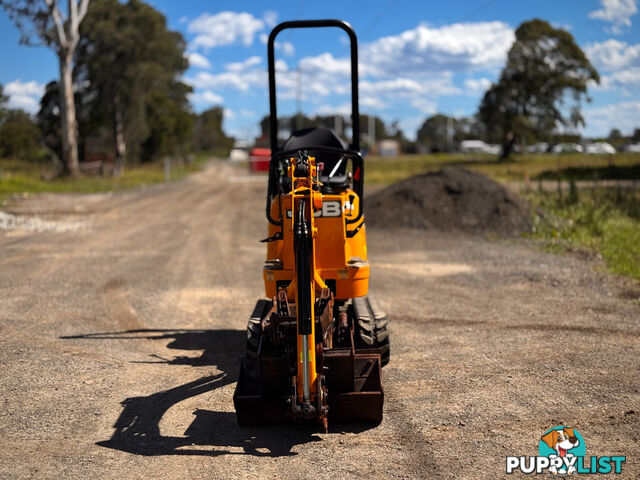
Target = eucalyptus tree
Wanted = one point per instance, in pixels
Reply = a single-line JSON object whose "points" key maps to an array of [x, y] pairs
{"points": [[45, 22], [540, 88]]}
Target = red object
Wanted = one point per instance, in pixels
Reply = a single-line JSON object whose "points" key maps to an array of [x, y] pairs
{"points": [[259, 159]]}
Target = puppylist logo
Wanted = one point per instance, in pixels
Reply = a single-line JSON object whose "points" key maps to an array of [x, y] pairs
{"points": [[562, 451]]}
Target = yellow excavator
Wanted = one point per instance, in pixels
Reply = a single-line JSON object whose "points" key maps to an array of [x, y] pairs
{"points": [[316, 345]]}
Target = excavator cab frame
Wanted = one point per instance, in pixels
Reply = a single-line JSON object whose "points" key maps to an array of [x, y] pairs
{"points": [[315, 350]]}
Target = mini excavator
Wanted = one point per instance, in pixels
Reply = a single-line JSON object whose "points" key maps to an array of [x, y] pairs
{"points": [[316, 346]]}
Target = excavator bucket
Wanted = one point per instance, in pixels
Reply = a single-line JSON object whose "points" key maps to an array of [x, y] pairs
{"points": [[352, 378], [355, 386]]}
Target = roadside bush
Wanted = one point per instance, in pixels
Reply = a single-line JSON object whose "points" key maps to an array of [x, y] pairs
{"points": [[19, 136]]}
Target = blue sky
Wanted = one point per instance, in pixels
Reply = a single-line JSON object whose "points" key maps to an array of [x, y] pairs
{"points": [[417, 58]]}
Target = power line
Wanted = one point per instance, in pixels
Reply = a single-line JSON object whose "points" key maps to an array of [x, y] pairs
{"points": [[378, 17], [476, 10]]}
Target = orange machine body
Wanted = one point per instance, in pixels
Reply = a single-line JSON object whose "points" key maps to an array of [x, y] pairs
{"points": [[341, 262]]}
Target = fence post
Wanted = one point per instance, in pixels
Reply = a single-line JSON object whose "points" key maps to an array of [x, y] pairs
{"points": [[167, 169]]}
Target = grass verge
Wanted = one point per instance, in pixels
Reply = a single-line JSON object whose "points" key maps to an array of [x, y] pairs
{"points": [[18, 177], [544, 166], [606, 221]]}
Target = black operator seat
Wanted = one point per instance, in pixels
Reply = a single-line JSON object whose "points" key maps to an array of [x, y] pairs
{"points": [[308, 138]]}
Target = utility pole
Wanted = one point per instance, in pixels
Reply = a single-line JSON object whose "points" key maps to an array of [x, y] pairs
{"points": [[337, 124], [298, 98], [371, 131]]}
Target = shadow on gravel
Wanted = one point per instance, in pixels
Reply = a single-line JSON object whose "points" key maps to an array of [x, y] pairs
{"points": [[137, 429]]}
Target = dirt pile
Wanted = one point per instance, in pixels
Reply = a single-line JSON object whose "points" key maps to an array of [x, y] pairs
{"points": [[450, 199]]}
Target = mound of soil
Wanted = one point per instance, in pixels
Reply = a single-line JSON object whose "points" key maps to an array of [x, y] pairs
{"points": [[450, 199]]}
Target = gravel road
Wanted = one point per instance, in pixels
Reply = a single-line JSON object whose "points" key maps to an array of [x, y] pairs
{"points": [[120, 339]]}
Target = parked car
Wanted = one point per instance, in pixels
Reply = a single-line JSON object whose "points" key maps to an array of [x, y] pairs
{"points": [[238, 155], [567, 148], [599, 148], [632, 147], [540, 147], [478, 146]]}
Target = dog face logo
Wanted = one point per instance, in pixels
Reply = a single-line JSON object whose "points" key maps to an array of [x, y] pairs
{"points": [[563, 443], [561, 450], [561, 440]]}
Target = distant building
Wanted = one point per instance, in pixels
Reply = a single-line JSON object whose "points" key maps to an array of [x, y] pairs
{"points": [[478, 146], [388, 148]]}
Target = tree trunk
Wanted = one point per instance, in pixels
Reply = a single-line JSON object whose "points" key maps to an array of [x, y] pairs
{"points": [[507, 145], [121, 146], [68, 116]]}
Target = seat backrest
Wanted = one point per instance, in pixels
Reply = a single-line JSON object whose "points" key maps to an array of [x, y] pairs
{"points": [[308, 138]]}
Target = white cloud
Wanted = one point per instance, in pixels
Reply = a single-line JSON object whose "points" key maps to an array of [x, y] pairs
{"points": [[198, 61], [622, 80], [413, 68], [456, 47], [372, 102], [183, 19], [613, 54], [325, 63], [475, 86], [281, 65], [343, 109], [616, 12], [563, 26], [241, 76], [288, 49], [270, 18], [232, 80], [417, 64], [243, 112], [24, 95], [620, 60], [404, 87], [601, 120], [244, 65], [224, 28], [425, 105], [206, 97], [410, 126]]}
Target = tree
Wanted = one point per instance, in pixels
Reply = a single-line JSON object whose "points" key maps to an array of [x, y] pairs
{"points": [[43, 22], [437, 132], [545, 68], [441, 132], [615, 134], [635, 137], [129, 64], [207, 133], [19, 135], [3, 102]]}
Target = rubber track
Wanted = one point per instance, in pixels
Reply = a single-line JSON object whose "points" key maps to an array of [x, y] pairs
{"points": [[371, 326]]}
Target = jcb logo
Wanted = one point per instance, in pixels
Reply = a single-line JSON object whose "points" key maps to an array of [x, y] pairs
{"points": [[329, 209]]}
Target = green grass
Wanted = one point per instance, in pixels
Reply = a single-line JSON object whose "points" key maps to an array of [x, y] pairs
{"points": [[606, 221], [18, 177], [564, 166]]}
